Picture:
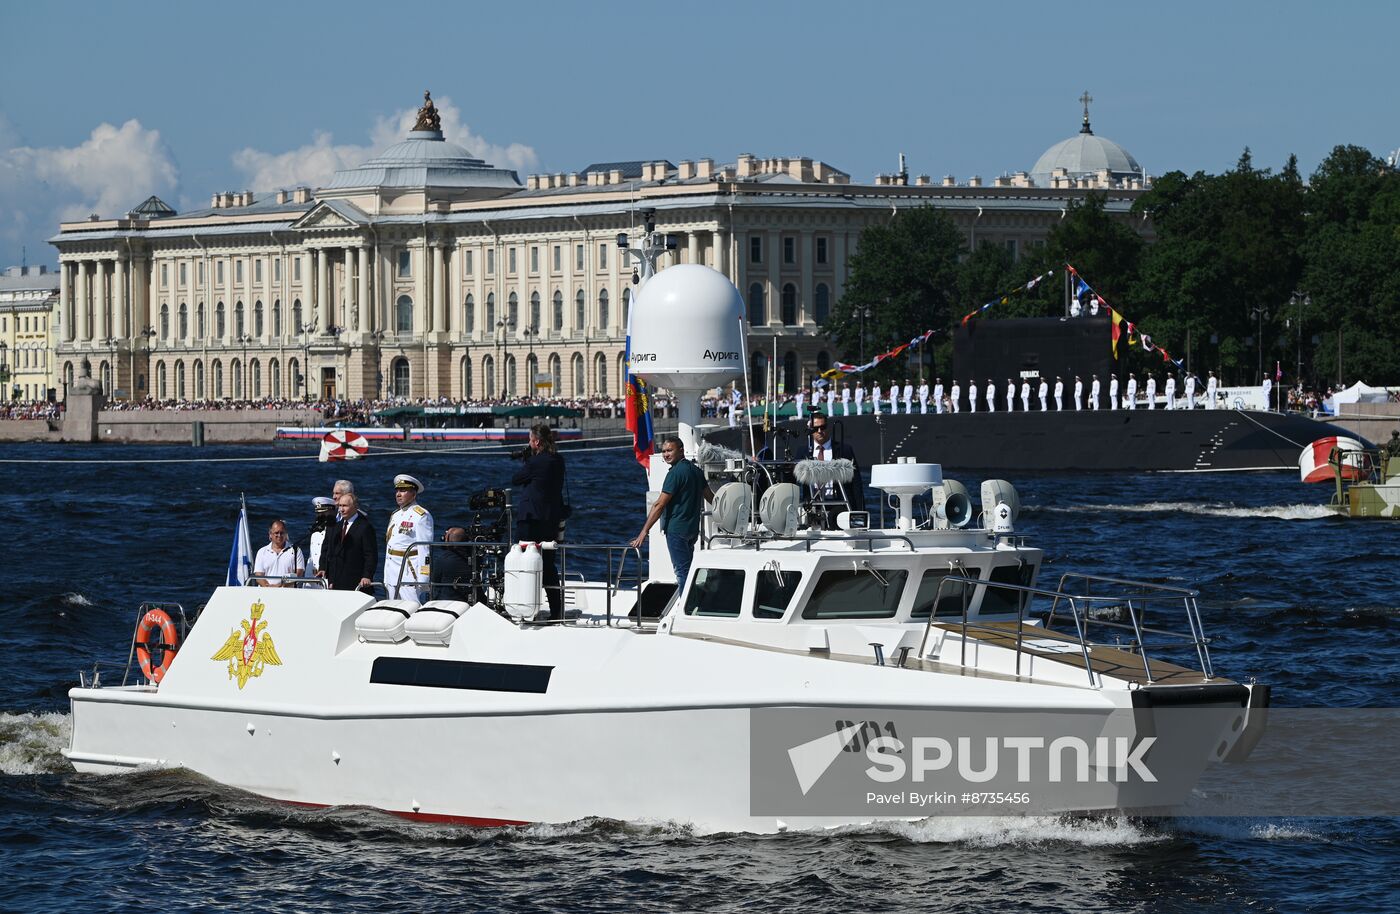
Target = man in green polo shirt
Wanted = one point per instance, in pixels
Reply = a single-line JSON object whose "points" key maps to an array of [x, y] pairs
{"points": [[678, 507]]}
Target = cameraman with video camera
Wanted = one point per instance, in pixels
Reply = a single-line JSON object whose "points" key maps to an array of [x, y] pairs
{"points": [[540, 507]]}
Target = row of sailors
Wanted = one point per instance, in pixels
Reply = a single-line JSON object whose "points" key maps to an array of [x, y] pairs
{"points": [[855, 396]]}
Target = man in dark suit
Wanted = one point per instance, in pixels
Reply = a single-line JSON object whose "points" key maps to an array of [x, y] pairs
{"points": [[539, 506], [350, 551], [821, 447]]}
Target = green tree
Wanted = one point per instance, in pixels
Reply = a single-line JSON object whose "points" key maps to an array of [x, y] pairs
{"points": [[903, 278], [1104, 250]]}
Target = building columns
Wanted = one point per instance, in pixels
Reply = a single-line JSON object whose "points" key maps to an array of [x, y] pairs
{"points": [[99, 302], [65, 299], [323, 298], [367, 322], [119, 328], [439, 283]]}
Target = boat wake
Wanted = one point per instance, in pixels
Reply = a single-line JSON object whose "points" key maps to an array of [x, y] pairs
{"points": [[30, 743], [1000, 831], [1278, 512]]}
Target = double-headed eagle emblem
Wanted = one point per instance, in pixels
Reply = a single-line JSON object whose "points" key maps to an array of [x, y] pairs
{"points": [[250, 650]]}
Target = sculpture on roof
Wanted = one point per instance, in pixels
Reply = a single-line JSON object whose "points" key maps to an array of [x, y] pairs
{"points": [[428, 118]]}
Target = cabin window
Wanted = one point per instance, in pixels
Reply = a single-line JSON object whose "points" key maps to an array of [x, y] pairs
{"points": [[856, 594], [715, 592], [996, 600], [951, 603], [773, 592]]}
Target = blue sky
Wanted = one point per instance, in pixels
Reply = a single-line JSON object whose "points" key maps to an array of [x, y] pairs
{"points": [[103, 104]]}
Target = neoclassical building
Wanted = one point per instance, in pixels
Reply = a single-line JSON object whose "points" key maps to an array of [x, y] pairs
{"points": [[428, 272], [28, 297]]}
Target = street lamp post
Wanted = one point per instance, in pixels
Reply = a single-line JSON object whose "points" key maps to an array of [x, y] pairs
{"points": [[4, 369], [1301, 300], [376, 337], [865, 313], [149, 332], [530, 333], [244, 339], [503, 328], [1261, 314], [306, 330], [110, 381]]}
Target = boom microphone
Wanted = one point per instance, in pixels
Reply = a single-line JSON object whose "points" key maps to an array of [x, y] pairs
{"points": [[824, 472]]}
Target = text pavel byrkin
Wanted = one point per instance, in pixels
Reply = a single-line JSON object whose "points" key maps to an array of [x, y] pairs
{"points": [[1060, 758]]}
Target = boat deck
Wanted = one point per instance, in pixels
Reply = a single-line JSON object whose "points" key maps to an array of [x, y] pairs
{"points": [[1104, 659]]}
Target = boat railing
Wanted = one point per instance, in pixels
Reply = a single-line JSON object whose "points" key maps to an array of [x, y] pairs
{"points": [[177, 615], [1087, 610], [757, 540]]}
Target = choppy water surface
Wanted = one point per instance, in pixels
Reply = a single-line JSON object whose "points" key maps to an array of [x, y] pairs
{"points": [[1299, 599]]}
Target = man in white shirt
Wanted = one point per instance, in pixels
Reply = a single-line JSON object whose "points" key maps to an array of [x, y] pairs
{"points": [[955, 395], [923, 398], [1190, 391], [1025, 395], [1171, 391], [938, 396], [1131, 399], [1010, 395], [1151, 392], [972, 396], [860, 399], [1211, 385], [1113, 391], [1078, 392], [1268, 386], [991, 396], [846, 399], [1059, 395], [908, 397], [278, 563], [830, 400], [875, 392], [1043, 391], [1094, 389]]}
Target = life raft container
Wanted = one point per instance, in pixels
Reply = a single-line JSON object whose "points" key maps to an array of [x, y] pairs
{"points": [[155, 656]]}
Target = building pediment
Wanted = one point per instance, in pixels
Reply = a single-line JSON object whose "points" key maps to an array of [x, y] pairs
{"points": [[332, 214]]}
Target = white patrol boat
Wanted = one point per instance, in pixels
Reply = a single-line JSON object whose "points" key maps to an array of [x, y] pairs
{"points": [[470, 711]]}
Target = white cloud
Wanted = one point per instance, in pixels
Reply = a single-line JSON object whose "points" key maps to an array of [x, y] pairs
{"points": [[315, 163], [110, 172]]}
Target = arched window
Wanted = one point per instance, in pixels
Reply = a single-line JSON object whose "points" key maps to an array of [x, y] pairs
{"points": [[277, 318], [758, 311], [513, 310], [532, 368], [296, 315], [255, 378], [534, 310], [790, 372], [274, 372], [238, 326], [603, 322], [558, 311], [183, 325], [403, 315], [68, 373], [295, 382], [161, 390], [580, 312], [580, 379], [198, 379], [821, 304], [236, 372], [469, 315], [218, 380], [257, 319], [556, 376], [488, 376], [600, 374], [164, 323], [467, 385], [508, 383], [399, 371], [758, 374], [180, 381], [789, 304], [490, 312], [218, 320]]}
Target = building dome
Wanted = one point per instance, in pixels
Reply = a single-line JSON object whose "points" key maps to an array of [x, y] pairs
{"points": [[1085, 155], [425, 159]]}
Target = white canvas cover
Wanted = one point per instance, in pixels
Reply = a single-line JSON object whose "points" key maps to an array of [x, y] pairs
{"points": [[1357, 393]]}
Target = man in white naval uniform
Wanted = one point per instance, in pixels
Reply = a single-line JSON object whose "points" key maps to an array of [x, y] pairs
{"points": [[1025, 395], [1078, 392], [923, 398], [1043, 392], [410, 525], [875, 392], [1268, 386], [908, 397], [938, 396], [1171, 391], [830, 400], [816, 397], [991, 396], [799, 402], [1190, 391], [1211, 384], [1059, 394], [1113, 391], [1010, 395], [846, 399], [1094, 390], [1131, 399], [860, 399], [972, 396], [1151, 391], [955, 396], [325, 518]]}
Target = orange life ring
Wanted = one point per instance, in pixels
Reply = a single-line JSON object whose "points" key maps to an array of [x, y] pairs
{"points": [[153, 622]]}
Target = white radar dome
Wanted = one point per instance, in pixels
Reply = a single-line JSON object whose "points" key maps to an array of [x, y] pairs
{"points": [[687, 330]]}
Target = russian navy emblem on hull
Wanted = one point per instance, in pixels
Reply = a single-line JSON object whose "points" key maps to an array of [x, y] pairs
{"points": [[250, 650]]}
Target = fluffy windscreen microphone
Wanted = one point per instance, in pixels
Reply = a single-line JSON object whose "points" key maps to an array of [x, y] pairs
{"points": [[824, 472], [713, 455]]}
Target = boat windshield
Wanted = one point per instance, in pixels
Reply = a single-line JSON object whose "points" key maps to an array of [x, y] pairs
{"points": [[774, 592], [856, 594]]}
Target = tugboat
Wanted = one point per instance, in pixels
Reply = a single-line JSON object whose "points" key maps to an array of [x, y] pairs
{"points": [[809, 646], [1367, 479]]}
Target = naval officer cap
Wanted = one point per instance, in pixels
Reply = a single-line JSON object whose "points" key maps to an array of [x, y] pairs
{"points": [[321, 502], [405, 481]]}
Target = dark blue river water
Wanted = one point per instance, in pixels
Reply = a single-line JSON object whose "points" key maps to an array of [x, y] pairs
{"points": [[1298, 599]]}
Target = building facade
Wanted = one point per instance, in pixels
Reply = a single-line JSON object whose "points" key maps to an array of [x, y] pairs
{"points": [[426, 272], [28, 297]]}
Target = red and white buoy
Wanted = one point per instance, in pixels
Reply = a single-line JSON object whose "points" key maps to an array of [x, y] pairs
{"points": [[1313, 465], [342, 444]]}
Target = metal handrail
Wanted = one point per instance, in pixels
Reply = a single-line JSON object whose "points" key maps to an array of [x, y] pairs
{"points": [[757, 541], [140, 613], [1150, 591]]}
